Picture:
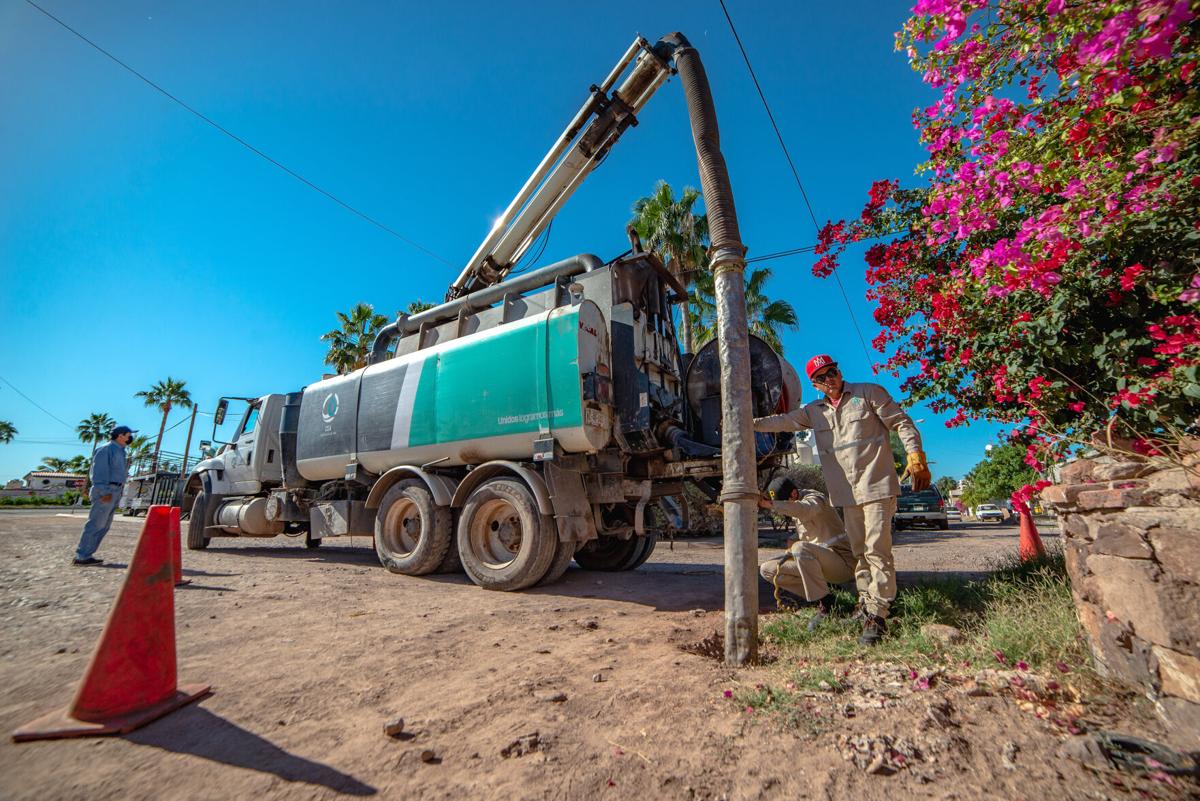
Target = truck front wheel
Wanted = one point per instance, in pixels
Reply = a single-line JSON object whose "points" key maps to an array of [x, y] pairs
{"points": [[197, 522], [504, 542], [412, 533]]}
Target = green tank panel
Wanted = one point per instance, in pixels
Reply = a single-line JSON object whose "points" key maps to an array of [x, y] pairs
{"points": [[511, 380], [485, 396]]}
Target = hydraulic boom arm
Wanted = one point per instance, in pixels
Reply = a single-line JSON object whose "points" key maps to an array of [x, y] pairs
{"points": [[582, 146]]}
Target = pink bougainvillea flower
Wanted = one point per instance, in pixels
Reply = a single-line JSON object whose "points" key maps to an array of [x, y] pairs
{"points": [[728, 693], [1022, 665]]}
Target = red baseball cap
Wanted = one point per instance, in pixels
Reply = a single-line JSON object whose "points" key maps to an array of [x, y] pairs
{"points": [[818, 362]]}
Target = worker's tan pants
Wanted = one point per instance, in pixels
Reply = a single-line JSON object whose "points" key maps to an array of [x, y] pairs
{"points": [[810, 571], [869, 529]]}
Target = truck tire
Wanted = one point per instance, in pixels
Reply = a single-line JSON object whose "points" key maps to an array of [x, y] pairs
{"points": [[564, 552], [612, 554], [504, 542], [452, 563], [412, 533], [197, 521], [648, 543]]}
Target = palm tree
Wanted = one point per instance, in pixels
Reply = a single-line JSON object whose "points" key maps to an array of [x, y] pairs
{"points": [[418, 306], [670, 228], [79, 464], [766, 317], [164, 395], [138, 452], [7, 431], [95, 429], [350, 344], [54, 464]]}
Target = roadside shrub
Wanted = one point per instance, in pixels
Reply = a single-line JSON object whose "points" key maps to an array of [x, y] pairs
{"points": [[1046, 273], [34, 500]]}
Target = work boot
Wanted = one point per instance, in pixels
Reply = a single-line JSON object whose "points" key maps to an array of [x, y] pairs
{"points": [[824, 607], [873, 630], [91, 560], [789, 600]]}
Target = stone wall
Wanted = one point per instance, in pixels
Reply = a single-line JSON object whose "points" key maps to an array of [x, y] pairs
{"points": [[1131, 537]]}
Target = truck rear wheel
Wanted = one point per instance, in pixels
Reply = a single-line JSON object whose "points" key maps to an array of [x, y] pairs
{"points": [[504, 542], [197, 523], [648, 543], [563, 553], [412, 533], [611, 554], [451, 563]]}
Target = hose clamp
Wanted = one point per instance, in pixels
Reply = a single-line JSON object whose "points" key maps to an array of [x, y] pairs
{"points": [[728, 260], [739, 491]]}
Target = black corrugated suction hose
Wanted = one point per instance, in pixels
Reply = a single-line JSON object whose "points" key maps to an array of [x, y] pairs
{"points": [[714, 177]]}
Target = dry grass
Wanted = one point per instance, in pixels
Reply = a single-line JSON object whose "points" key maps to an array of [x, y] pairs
{"points": [[1022, 612]]}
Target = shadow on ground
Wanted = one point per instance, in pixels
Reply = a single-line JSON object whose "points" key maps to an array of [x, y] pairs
{"points": [[196, 731], [360, 556]]}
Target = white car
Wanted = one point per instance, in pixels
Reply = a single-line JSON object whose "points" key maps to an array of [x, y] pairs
{"points": [[987, 512], [953, 515]]}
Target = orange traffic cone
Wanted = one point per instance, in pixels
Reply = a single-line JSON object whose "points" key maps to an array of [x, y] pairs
{"points": [[1031, 542], [130, 680], [176, 549]]}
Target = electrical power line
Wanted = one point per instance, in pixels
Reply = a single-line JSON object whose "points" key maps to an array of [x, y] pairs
{"points": [[35, 403], [795, 173], [782, 254], [246, 144]]}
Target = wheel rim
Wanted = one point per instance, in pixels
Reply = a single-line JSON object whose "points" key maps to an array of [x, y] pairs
{"points": [[402, 527], [496, 533]]}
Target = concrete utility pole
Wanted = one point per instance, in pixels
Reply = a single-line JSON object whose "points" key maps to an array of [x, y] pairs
{"points": [[740, 487]]}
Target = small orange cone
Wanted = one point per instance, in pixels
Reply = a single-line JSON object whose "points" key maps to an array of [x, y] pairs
{"points": [[176, 549], [1031, 542], [130, 680]]}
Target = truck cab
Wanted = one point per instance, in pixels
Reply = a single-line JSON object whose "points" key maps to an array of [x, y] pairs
{"points": [[247, 467], [250, 460]]}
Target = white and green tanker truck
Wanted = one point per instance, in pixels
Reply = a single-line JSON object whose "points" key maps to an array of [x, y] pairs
{"points": [[524, 422]]}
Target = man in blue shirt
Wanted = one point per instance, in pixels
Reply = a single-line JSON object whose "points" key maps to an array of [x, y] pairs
{"points": [[108, 479]]}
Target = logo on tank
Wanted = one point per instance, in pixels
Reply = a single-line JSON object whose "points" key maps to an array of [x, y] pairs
{"points": [[329, 408]]}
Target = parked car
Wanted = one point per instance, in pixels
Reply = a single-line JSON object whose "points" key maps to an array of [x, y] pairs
{"points": [[924, 508], [989, 512], [953, 514]]}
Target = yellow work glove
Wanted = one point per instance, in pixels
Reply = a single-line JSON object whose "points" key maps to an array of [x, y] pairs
{"points": [[918, 471]]}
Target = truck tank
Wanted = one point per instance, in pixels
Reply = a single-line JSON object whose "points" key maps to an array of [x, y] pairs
{"points": [[467, 401]]}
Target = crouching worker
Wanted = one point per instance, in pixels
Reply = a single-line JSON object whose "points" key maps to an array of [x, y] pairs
{"points": [[818, 556]]}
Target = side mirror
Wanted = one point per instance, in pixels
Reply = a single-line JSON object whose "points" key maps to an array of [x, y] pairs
{"points": [[219, 416]]}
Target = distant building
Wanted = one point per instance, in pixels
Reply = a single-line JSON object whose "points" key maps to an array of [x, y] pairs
{"points": [[46, 484]]}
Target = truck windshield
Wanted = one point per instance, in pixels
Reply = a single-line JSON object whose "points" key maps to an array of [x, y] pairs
{"points": [[251, 420]]}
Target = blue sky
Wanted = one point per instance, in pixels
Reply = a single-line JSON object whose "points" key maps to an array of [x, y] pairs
{"points": [[136, 242]]}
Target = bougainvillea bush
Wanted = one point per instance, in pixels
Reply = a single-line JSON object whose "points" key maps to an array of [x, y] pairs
{"points": [[1046, 272]]}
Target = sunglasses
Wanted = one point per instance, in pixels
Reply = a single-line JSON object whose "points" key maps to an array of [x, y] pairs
{"points": [[824, 375]]}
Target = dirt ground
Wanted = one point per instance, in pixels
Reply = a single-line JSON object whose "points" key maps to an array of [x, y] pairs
{"points": [[311, 652]]}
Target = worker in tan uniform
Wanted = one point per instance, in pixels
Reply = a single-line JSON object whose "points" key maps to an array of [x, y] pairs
{"points": [[850, 424], [818, 556]]}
